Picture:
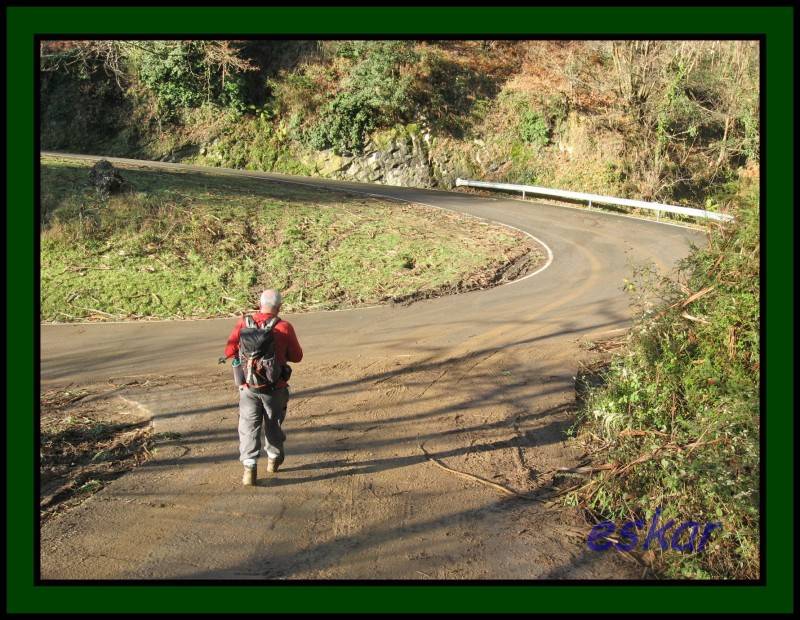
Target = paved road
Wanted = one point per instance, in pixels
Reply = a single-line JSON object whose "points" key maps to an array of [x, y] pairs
{"points": [[482, 379]]}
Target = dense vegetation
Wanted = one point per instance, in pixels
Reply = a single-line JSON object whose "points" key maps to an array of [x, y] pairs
{"points": [[678, 418], [668, 120]]}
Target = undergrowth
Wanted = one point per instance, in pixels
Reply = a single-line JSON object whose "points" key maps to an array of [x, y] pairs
{"points": [[677, 419]]}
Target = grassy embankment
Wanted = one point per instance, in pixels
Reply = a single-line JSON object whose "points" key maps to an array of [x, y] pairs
{"points": [[179, 245], [677, 422]]}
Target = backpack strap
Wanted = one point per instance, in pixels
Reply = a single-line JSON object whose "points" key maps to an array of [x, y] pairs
{"points": [[249, 321]]}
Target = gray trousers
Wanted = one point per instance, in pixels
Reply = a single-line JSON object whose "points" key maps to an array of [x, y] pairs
{"points": [[257, 411]]}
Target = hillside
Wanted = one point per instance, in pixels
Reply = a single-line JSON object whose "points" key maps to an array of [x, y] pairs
{"points": [[662, 120]]}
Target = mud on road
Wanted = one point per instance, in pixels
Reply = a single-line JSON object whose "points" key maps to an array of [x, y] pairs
{"points": [[357, 497]]}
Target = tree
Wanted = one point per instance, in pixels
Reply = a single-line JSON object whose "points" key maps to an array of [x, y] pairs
{"points": [[164, 66]]}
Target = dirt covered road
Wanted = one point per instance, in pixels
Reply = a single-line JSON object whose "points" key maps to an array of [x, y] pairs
{"points": [[388, 404]]}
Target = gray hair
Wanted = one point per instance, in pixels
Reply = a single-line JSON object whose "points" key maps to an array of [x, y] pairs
{"points": [[271, 299]]}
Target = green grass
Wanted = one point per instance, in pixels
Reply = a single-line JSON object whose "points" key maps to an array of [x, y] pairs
{"points": [[187, 244], [687, 384]]}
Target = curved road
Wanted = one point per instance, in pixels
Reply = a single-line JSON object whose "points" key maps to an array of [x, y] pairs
{"points": [[483, 380]]}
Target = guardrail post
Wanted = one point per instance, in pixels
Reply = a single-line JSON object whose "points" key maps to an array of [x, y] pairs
{"points": [[523, 194]]}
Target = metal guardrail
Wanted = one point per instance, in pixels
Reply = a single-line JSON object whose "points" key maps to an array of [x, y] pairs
{"points": [[596, 198]]}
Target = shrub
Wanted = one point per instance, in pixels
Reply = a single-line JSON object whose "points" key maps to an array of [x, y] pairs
{"points": [[556, 110], [172, 70], [524, 120], [533, 128], [345, 124], [184, 74], [375, 93], [679, 414]]}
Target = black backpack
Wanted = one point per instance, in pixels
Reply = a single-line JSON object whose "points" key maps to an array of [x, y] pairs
{"points": [[257, 353]]}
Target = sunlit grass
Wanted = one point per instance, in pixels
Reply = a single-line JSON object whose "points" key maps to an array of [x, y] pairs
{"points": [[186, 244]]}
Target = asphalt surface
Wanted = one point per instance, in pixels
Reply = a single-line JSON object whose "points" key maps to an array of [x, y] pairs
{"points": [[484, 380]]}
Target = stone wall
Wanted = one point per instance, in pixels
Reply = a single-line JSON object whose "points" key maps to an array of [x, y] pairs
{"points": [[400, 158]]}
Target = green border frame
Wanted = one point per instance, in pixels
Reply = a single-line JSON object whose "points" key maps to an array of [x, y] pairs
{"points": [[24, 22]]}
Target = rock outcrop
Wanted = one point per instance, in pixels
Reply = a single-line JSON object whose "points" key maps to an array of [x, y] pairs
{"points": [[399, 158]]}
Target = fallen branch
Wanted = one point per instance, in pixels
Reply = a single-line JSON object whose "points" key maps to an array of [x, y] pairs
{"points": [[696, 296], [607, 345], [696, 319], [619, 470], [641, 459], [684, 302], [731, 342], [549, 500], [586, 470], [631, 432], [499, 487], [80, 268], [163, 264], [699, 443], [100, 312]]}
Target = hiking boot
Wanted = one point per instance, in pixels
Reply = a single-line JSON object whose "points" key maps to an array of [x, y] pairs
{"points": [[249, 476], [274, 464]]}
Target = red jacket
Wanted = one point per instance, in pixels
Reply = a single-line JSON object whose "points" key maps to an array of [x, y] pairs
{"points": [[287, 348]]}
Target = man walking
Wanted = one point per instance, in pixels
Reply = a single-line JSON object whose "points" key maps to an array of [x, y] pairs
{"points": [[264, 402]]}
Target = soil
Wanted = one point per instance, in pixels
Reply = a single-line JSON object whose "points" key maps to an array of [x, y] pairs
{"points": [[362, 493], [88, 438]]}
